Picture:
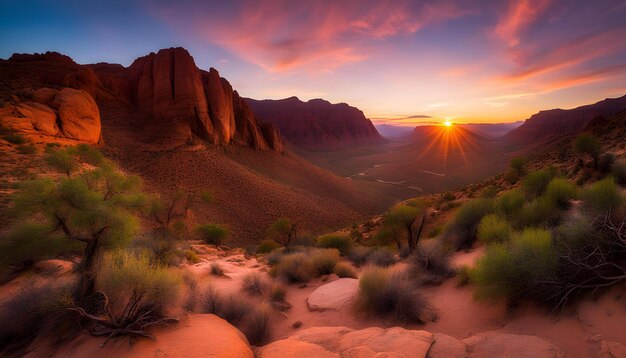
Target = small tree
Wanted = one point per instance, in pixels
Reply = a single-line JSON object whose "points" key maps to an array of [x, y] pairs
{"points": [[211, 234], [406, 217], [165, 212], [587, 144], [284, 231]]}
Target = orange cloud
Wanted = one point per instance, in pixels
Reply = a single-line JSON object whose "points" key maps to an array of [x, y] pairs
{"points": [[520, 15]]}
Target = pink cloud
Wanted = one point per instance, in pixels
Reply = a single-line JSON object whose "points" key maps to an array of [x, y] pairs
{"points": [[520, 15]]}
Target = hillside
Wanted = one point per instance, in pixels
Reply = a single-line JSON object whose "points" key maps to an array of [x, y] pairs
{"points": [[317, 124]]}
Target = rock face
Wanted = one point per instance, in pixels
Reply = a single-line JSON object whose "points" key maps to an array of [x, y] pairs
{"points": [[338, 295], [169, 87], [346, 342], [317, 124], [492, 345], [71, 114]]}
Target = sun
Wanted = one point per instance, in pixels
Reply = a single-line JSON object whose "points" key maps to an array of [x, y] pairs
{"points": [[447, 123]]}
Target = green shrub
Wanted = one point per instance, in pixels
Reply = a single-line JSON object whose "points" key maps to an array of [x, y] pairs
{"points": [[216, 269], [494, 228], [463, 275], [434, 232], [430, 264], [250, 318], [273, 257], [511, 202], [619, 172], [122, 273], [587, 144], [192, 257], [382, 257], [448, 196], [602, 196], [390, 292], [253, 283], [535, 183], [323, 261], [489, 191], [211, 234], [266, 246], [294, 267], [15, 138], [463, 227], [560, 191], [335, 241], [605, 162], [538, 212], [359, 255], [344, 269], [278, 293], [514, 270]]}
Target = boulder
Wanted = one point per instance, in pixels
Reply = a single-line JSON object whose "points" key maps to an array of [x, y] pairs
{"points": [[338, 295], [78, 114], [346, 342], [36, 117], [44, 95], [492, 345], [447, 347]]}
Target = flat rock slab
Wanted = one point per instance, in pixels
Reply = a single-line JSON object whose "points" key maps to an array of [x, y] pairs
{"points": [[337, 295]]}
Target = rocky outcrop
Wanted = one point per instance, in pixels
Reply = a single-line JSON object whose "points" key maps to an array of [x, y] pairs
{"points": [[171, 89], [346, 342], [71, 114], [337, 296], [493, 345], [317, 124]]}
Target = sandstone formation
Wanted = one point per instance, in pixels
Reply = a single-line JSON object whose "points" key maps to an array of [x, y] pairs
{"points": [[172, 90], [317, 124], [71, 114], [338, 295]]}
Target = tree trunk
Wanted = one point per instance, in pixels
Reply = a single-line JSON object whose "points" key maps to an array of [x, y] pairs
{"points": [[86, 285]]}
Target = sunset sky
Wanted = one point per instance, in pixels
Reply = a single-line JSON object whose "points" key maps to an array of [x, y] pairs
{"points": [[468, 61]]}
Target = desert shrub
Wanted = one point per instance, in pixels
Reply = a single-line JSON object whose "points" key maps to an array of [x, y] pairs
{"points": [[294, 267], [403, 218], [539, 212], [494, 228], [323, 261], [387, 235], [193, 294], [273, 257], [192, 256], [216, 269], [489, 191], [463, 275], [335, 241], [390, 292], [15, 138], [355, 234], [518, 165], [266, 246], [535, 183], [26, 149], [515, 269], [382, 257], [605, 162], [448, 196], [602, 196], [344, 269], [431, 262], [251, 319], [434, 232], [560, 191], [587, 144], [253, 283], [464, 225], [211, 234], [278, 293], [510, 202], [31, 312], [284, 231], [123, 273], [619, 172], [359, 255]]}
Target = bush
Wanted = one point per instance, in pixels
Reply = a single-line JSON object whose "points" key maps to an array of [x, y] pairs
{"points": [[605, 162], [560, 192], [431, 262], [323, 261], [538, 212], [335, 241], [123, 273], [448, 196], [251, 319], [494, 228], [278, 293], [588, 144], [382, 257], [390, 292], [32, 312], [463, 275], [359, 255], [252, 283], [267, 246], [344, 269], [192, 257], [434, 232], [511, 202], [489, 191], [273, 257], [535, 183], [514, 270], [619, 172], [211, 234], [602, 196], [294, 268], [216, 269], [463, 227]]}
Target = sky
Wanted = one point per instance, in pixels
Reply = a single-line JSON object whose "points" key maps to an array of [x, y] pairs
{"points": [[402, 62]]}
